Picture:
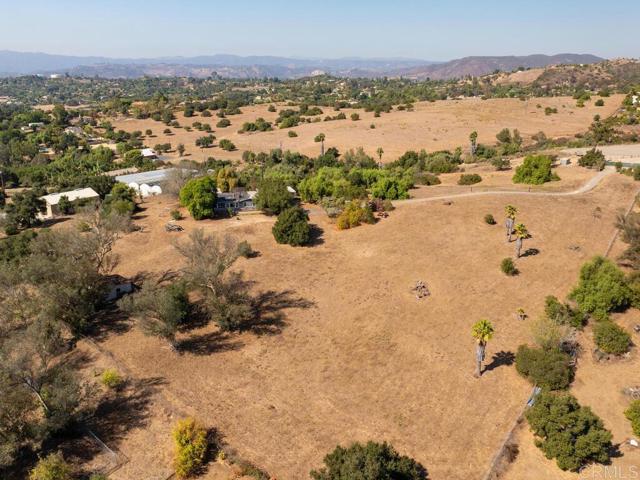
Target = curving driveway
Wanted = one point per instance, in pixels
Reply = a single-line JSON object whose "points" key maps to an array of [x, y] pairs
{"points": [[590, 185]]}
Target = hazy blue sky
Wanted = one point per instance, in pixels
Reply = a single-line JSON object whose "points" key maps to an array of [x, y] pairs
{"points": [[428, 29]]}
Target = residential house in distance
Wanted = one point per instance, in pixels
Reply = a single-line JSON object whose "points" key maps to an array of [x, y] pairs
{"points": [[237, 200], [76, 196], [149, 153]]}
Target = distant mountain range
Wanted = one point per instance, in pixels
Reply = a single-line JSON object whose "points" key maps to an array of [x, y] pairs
{"points": [[233, 66]]}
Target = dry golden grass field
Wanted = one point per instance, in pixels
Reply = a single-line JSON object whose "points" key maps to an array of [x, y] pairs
{"points": [[347, 353], [432, 126]]}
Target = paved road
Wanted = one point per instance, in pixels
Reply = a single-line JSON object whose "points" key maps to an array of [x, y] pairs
{"points": [[590, 185]]}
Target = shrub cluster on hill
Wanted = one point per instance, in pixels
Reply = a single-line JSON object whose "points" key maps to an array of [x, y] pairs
{"points": [[469, 179], [371, 461], [568, 432], [353, 215], [535, 170], [592, 159]]}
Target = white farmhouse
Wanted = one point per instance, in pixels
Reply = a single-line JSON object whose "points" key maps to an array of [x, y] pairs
{"points": [[53, 199]]}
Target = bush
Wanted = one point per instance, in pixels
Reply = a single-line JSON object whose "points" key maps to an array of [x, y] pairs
{"points": [[611, 338], [176, 215], [601, 289], [424, 178], [633, 415], [292, 227], [353, 215], [469, 179], [592, 159], [547, 368], [292, 134], [568, 432], [489, 220], [508, 267], [227, 145], [599, 103], [223, 123], [245, 250], [500, 163], [535, 170], [562, 313], [191, 443], [110, 378], [199, 197], [373, 461], [52, 467], [355, 117]]}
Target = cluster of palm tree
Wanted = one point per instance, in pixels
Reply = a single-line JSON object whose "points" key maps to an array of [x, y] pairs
{"points": [[482, 331], [519, 229]]}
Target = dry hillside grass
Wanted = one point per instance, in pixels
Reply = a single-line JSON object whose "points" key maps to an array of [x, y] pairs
{"points": [[365, 359], [432, 126]]}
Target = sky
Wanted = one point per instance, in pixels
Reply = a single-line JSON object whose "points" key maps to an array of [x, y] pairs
{"points": [[429, 29]]}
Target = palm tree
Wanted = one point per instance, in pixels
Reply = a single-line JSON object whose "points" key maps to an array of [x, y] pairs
{"points": [[380, 151], [510, 211], [320, 138], [482, 331], [473, 139], [521, 234]]}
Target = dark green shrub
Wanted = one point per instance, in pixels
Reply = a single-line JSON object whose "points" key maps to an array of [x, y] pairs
{"points": [[546, 368], [175, 214], [245, 250], [425, 178], [535, 170], [599, 103], [602, 288], [489, 220], [611, 338], [223, 123], [372, 461], [568, 432], [227, 145], [469, 179], [292, 227], [508, 267], [355, 117], [292, 134]]}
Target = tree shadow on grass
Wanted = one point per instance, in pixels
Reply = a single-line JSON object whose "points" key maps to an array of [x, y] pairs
{"points": [[500, 359], [124, 410], [269, 316], [209, 343], [315, 236]]}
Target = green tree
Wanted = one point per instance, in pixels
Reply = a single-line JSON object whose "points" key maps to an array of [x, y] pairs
{"points": [[180, 148], [633, 415], [482, 331], [371, 461], [273, 196], [535, 170], [473, 140], [24, 210], [547, 368], [611, 338], [380, 151], [199, 197], [292, 227], [602, 288], [568, 432], [52, 467]]}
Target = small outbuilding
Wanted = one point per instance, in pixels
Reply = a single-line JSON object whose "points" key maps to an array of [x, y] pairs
{"points": [[75, 196], [149, 153]]}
